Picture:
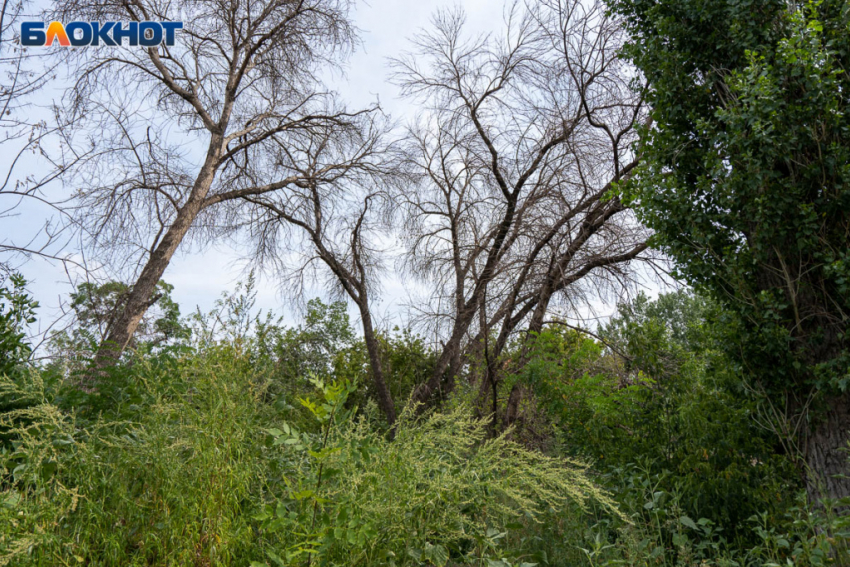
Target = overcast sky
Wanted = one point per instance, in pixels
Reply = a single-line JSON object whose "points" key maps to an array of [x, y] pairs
{"points": [[200, 278]]}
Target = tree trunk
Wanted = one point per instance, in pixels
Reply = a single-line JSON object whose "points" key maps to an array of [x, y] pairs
{"points": [[512, 409], [447, 363], [385, 399], [826, 452], [138, 299]]}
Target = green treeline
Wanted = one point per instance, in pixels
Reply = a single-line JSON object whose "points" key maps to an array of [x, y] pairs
{"points": [[237, 441]]}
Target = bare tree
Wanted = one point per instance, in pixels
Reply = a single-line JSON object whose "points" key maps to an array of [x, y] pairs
{"points": [[183, 133], [332, 224], [33, 146], [525, 137]]}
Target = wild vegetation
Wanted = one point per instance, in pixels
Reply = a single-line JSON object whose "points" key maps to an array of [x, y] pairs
{"points": [[246, 443], [581, 152]]}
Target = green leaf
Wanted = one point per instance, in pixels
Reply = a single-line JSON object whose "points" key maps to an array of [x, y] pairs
{"points": [[686, 521], [438, 554], [276, 559], [303, 494]]}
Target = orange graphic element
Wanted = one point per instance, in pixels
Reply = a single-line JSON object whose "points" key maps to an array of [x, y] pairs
{"points": [[57, 31]]}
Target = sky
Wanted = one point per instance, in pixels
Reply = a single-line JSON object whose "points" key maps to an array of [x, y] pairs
{"points": [[199, 278]]}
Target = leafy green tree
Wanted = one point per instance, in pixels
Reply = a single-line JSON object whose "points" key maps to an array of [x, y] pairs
{"points": [[658, 403], [681, 314], [747, 184], [310, 348], [95, 307], [17, 310]]}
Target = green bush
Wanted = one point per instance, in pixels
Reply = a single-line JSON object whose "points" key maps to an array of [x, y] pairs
{"points": [[440, 491], [172, 482], [193, 466], [659, 412], [250, 445], [17, 310]]}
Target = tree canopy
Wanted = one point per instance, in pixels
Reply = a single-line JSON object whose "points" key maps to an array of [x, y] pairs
{"points": [[747, 184]]}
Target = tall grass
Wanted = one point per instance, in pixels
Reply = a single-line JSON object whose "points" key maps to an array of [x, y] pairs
{"points": [[189, 462], [439, 492], [169, 481]]}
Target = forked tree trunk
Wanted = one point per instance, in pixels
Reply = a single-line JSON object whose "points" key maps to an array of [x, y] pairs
{"points": [[446, 365], [826, 452]]}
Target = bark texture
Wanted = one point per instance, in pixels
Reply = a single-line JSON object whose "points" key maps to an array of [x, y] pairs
{"points": [[826, 452], [139, 298]]}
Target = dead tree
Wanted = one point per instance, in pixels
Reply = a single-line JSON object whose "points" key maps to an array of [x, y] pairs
{"points": [[183, 133], [329, 225], [525, 138], [32, 158]]}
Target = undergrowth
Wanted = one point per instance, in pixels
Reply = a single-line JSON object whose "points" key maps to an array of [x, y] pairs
{"points": [[196, 467]]}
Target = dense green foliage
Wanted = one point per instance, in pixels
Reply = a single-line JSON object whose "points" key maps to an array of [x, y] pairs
{"points": [[671, 409], [94, 307], [252, 444], [660, 411], [17, 310], [747, 183], [198, 456]]}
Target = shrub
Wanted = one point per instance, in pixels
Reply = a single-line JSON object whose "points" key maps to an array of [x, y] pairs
{"points": [[440, 491]]}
